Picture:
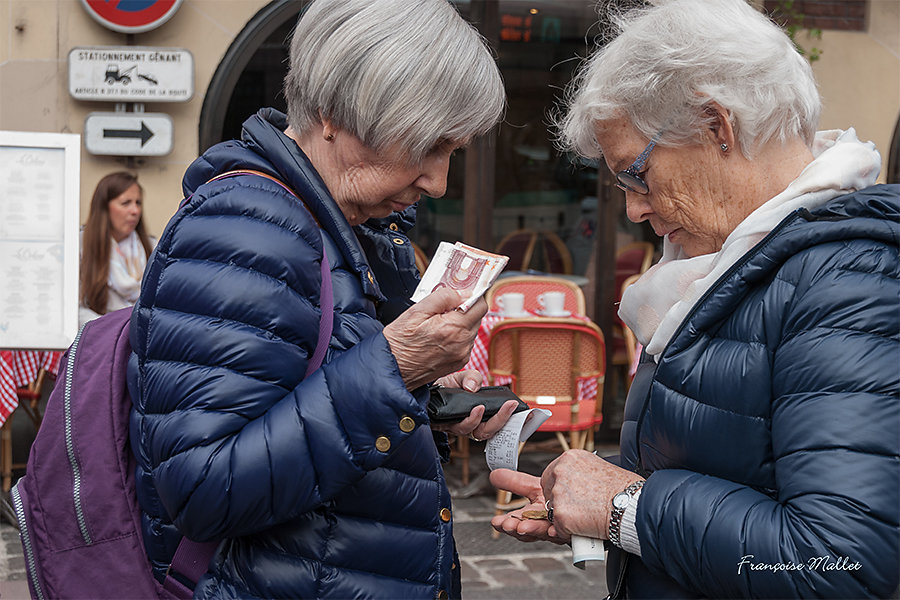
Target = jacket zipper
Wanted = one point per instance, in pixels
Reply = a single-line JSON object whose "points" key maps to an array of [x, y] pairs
{"points": [[26, 542], [70, 448], [740, 263], [639, 467]]}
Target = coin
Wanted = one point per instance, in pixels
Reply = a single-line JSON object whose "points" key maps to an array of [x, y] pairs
{"points": [[534, 514]]}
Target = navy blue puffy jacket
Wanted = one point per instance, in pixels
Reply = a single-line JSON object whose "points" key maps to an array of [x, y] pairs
{"points": [[770, 429], [232, 443]]}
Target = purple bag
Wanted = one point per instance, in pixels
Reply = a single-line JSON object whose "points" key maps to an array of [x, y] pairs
{"points": [[78, 514], [77, 509], [79, 518]]}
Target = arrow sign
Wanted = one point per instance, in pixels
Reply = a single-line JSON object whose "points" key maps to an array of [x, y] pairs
{"points": [[143, 133], [128, 134]]}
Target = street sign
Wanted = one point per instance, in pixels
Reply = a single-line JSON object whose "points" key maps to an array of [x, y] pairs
{"points": [[128, 133], [131, 73], [131, 16]]}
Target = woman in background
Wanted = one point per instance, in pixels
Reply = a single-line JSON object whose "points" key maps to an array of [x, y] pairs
{"points": [[114, 247]]}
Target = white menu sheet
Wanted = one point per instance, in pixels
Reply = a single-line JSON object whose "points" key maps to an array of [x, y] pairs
{"points": [[39, 188]]}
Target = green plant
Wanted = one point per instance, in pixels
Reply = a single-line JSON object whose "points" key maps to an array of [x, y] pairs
{"points": [[791, 20]]}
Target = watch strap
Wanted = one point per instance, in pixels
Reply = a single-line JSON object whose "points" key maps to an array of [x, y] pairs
{"points": [[615, 515]]}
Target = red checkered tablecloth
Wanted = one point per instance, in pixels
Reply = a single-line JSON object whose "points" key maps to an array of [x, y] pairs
{"points": [[18, 368], [478, 360]]}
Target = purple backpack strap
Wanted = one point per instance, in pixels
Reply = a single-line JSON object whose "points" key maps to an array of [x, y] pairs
{"points": [[326, 296], [192, 558], [326, 322]]}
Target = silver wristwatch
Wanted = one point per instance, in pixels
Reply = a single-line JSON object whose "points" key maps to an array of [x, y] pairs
{"points": [[620, 502]]}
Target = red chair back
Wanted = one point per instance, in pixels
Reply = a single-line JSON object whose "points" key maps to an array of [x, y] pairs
{"points": [[552, 357]]}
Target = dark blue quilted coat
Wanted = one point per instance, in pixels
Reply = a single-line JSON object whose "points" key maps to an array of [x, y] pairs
{"points": [[771, 427], [232, 442]]}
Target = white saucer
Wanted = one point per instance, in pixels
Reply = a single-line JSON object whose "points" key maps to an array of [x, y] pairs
{"points": [[564, 313], [520, 315]]}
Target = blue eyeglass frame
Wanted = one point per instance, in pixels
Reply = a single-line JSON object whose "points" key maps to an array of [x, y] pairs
{"points": [[630, 180]]}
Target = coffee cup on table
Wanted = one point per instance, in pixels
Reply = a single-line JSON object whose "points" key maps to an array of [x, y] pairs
{"points": [[512, 304], [553, 304]]}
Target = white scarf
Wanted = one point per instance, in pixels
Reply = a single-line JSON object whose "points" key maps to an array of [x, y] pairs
{"points": [[661, 299], [126, 267]]}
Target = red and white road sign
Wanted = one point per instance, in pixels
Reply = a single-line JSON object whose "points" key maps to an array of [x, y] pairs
{"points": [[131, 16]]}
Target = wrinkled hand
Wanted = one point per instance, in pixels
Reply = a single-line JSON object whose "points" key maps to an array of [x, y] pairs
{"points": [[471, 380], [431, 339], [512, 523], [580, 487]]}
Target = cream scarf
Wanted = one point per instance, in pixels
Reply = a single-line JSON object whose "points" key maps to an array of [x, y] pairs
{"points": [[661, 299], [126, 267]]}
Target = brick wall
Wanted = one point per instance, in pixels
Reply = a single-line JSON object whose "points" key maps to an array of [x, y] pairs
{"points": [[846, 15]]}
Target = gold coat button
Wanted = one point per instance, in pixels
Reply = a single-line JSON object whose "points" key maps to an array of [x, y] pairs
{"points": [[445, 515], [442, 595], [394, 227], [399, 241], [371, 279], [382, 444], [407, 424]]}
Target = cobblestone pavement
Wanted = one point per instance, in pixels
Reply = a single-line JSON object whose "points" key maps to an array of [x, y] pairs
{"points": [[492, 568], [503, 567]]}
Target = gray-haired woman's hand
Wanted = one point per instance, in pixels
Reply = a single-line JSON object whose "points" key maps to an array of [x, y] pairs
{"points": [[432, 338]]}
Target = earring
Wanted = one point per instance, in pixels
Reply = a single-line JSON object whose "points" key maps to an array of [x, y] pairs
{"points": [[724, 147], [329, 137]]}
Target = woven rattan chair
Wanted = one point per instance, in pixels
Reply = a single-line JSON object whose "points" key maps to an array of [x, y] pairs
{"points": [[519, 246], [550, 361], [421, 259], [540, 250]]}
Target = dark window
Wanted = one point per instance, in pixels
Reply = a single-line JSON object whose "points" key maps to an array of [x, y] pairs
{"points": [[846, 15]]}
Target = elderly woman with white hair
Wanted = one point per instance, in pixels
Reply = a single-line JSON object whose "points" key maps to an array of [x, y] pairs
{"points": [[319, 475], [759, 450]]}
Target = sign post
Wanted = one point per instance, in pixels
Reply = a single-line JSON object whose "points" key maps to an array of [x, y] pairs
{"points": [[131, 73], [128, 133]]}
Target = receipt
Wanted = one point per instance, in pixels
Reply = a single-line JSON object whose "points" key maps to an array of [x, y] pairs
{"points": [[585, 548], [502, 450]]}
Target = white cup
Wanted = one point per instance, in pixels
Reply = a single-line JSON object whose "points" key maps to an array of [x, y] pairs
{"points": [[552, 303], [511, 304]]}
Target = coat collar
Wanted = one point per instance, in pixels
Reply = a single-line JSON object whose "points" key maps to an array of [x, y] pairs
{"points": [[275, 153]]}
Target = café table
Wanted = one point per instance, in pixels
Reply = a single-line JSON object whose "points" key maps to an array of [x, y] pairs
{"points": [[19, 369]]}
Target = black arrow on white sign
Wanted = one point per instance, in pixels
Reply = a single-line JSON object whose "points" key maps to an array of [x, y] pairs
{"points": [[144, 133]]}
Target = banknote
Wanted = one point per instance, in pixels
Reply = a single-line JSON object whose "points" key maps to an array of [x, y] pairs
{"points": [[467, 270]]}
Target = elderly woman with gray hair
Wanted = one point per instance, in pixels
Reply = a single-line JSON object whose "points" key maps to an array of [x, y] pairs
{"points": [[320, 481], [759, 450]]}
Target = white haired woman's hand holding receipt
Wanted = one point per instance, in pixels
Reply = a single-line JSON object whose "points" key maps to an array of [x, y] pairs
{"points": [[760, 454]]}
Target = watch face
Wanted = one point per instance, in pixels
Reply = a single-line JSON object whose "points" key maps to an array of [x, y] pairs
{"points": [[621, 500]]}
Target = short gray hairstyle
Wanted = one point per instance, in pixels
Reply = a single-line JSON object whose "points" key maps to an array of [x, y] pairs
{"points": [[407, 72], [669, 61]]}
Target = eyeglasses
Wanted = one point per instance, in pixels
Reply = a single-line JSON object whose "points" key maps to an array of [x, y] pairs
{"points": [[630, 179]]}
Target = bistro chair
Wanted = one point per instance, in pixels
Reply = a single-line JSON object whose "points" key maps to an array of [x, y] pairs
{"points": [[533, 286], [29, 398], [519, 246], [553, 363], [421, 258], [540, 250], [555, 255]]}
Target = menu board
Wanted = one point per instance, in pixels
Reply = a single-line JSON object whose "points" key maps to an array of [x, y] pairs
{"points": [[39, 187]]}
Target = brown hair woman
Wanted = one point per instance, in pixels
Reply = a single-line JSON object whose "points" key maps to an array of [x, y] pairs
{"points": [[114, 246]]}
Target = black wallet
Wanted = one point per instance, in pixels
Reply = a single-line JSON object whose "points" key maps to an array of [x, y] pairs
{"points": [[450, 405]]}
